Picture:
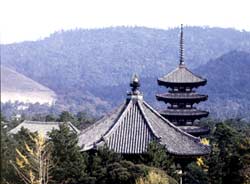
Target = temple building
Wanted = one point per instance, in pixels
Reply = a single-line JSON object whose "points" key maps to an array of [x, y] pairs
{"points": [[182, 97], [132, 126]]}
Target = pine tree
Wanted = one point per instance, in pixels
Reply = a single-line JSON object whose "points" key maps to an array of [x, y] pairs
{"points": [[157, 156], [69, 162], [225, 161], [8, 174]]}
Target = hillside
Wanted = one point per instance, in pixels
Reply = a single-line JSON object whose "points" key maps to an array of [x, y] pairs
{"points": [[17, 87], [228, 87], [90, 69], [105, 57], [228, 84]]}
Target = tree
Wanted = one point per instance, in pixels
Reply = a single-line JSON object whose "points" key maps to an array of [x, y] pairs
{"points": [[107, 167], [8, 174], [156, 176], [225, 162], [50, 117], [157, 156], [34, 164], [83, 120], [69, 163], [65, 116], [195, 174], [9, 143]]}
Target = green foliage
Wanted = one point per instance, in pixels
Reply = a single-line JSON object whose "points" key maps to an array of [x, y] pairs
{"points": [[9, 143], [107, 167], [156, 176], [84, 120], [195, 175], [229, 161], [7, 153], [69, 162], [81, 120], [157, 157], [50, 117], [229, 150], [66, 116]]}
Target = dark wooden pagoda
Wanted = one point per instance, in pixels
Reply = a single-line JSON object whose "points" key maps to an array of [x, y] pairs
{"points": [[132, 126], [182, 97]]}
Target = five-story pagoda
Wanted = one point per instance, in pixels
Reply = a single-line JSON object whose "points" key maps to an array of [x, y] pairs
{"points": [[182, 96]]}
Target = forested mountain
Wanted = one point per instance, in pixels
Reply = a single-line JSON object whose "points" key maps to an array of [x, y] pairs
{"points": [[228, 85], [90, 69]]}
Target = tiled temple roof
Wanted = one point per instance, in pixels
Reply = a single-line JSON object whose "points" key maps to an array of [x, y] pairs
{"points": [[41, 127], [181, 75], [132, 126]]}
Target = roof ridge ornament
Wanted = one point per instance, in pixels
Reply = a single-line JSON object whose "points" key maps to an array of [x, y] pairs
{"points": [[135, 84], [181, 47]]}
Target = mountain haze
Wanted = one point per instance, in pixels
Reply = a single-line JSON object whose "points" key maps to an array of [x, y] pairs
{"points": [[91, 68]]}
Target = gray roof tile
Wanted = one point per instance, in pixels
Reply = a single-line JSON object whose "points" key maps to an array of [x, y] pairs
{"points": [[181, 75], [41, 127], [132, 126]]}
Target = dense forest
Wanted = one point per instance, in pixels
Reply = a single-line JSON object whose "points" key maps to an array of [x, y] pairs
{"points": [[63, 162], [90, 69]]}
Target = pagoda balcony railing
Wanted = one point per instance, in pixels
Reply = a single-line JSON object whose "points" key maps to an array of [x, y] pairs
{"points": [[184, 112], [182, 96], [195, 130]]}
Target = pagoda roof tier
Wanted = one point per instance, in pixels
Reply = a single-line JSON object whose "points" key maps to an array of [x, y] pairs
{"points": [[195, 130], [181, 76], [190, 113], [177, 97], [133, 125]]}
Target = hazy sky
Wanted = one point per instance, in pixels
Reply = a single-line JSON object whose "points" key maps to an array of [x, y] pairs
{"points": [[34, 19]]}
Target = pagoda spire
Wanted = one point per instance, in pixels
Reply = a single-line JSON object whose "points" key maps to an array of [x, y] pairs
{"points": [[181, 96], [181, 47]]}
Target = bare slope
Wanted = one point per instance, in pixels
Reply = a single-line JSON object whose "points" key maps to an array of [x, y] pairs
{"points": [[17, 87]]}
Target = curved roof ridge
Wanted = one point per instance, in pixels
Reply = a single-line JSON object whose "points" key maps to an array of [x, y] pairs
{"points": [[94, 137], [148, 122], [41, 122], [170, 73], [102, 119], [118, 120], [195, 74], [73, 127], [171, 124]]}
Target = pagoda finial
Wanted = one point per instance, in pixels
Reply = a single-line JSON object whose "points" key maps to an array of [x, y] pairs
{"points": [[181, 46]]}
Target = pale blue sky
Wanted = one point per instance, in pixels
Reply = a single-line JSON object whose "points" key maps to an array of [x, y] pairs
{"points": [[35, 19]]}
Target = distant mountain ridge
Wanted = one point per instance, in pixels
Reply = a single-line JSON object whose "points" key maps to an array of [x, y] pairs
{"points": [[228, 85], [92, 68]]}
